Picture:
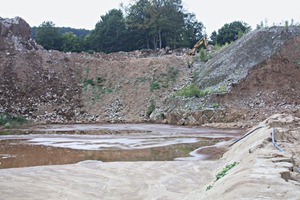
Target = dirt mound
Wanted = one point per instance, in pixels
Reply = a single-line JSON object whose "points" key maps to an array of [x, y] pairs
{"points": [[250, 79], [51, 86], [260, 170]]}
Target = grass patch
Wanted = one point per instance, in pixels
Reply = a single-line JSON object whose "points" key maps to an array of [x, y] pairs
{"points": [[193, 91], [140, 80], [222, 173], [225, 170], [164, 79], [96, 85], [11, 121], [154, 86]]}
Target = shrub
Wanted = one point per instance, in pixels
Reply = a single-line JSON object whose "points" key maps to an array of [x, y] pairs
{"points": [[225, 170], [9, 121], [154, 86], [172, 73], [193, 91], [203, 55], [151, 108]]}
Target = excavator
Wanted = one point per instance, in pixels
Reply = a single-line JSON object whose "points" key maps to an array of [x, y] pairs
{"points": [[197, 45]]}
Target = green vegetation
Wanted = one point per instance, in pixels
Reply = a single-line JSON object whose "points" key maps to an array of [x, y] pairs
{"points": [[193, 91], [10, 121], [208, 187], [151, 108], [143, 24], [203, 55], [140, 80], [225, 170], [154, 85], [215, 105], [201, 106], [172, 74], [164, 79], [96, 85], [222, 173], [229, 32]]}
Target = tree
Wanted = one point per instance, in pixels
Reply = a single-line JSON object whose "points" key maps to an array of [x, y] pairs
{"points": [[230, 32], [163, 23], [193, 31], [71, 43], [109, 33], [137, 21], [49, 36]]}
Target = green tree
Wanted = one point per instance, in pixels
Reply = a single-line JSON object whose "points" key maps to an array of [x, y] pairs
{"points": [[230, 32], [193, 31], [49, 36], [110, 33], [163, 23], [136, 21], [71, 43]]}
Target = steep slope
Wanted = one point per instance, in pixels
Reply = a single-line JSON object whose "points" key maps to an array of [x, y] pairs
{"points": [[251, 79], [51, 86], [261, 170]]}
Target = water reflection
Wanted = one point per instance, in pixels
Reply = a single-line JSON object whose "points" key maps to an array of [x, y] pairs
{"points": [[148, 143]]}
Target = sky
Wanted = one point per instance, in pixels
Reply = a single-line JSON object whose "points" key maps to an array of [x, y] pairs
{"points": [[212, 13]]}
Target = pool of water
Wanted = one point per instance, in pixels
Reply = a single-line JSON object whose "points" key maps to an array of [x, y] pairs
{"points": [[66, 144]]}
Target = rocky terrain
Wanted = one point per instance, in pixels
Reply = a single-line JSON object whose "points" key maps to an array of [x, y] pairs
{"points": [[251, 79], [255, 79]]}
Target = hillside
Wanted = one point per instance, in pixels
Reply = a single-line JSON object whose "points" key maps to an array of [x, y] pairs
{"points": [[253, 82], [250, 80]]}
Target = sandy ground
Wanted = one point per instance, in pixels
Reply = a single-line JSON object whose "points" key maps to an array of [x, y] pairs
{"points": [[262, 172], [115, 180]]}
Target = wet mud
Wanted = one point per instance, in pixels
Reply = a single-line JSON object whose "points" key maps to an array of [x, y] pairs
{"points": [[43, 146]]}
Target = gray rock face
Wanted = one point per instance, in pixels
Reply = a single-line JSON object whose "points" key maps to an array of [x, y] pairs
{"points": [[231, 64], [15, 35]]}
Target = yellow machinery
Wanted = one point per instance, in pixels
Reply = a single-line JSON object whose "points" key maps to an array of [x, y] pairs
{"points": [[197, 45]]}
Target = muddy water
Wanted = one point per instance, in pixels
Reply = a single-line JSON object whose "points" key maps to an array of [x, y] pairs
{"points": [[66, 144]]}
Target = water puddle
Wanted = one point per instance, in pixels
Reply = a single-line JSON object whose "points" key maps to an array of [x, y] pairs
{"points": [[66, 144]]}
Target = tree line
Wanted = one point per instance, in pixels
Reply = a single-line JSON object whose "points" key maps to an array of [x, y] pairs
{"points": [[145, 24]]}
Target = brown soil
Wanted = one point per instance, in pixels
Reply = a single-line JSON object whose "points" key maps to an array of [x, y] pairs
{"points": [[18, 153], [270, 88]]}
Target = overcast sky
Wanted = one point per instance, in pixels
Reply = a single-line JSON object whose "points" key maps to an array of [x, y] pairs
{"points": [[212, 13]]}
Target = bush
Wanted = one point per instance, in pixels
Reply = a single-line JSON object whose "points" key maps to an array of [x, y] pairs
{"points": [[154, 86], [151, 108], [192, 91], [203, 55], [9, 121]]}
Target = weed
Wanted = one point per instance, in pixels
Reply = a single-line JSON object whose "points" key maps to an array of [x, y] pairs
{"points": [[225, 170], [193, 91], [208, 187], [86, 83], [203, 55], [222, 173], [151, 108], [223, 88], [201, 106], [109, 90], [172, 73], [140, 80], [164, 79], [9, 121], [215, 105], [100, 80], [154, 86]]}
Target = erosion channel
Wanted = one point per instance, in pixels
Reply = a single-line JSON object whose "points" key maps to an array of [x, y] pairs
{"points": [[68, 144]]}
